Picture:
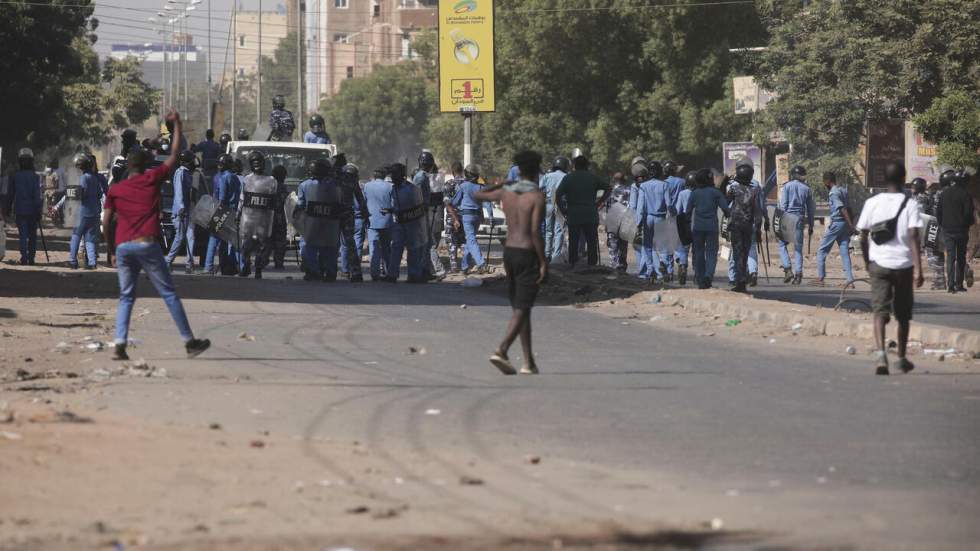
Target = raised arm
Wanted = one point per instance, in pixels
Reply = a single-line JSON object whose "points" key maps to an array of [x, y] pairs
{"points": [[171, 161]]}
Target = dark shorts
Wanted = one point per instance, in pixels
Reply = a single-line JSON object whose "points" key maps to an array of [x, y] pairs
{"points": [[523, 269], [891, 292]]}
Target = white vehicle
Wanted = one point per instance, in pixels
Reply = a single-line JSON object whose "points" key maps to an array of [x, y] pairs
{"points": [[295, 156], [498, 225]]}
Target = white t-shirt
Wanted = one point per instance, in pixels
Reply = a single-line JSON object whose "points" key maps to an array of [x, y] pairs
{"points": [[895, 254]]}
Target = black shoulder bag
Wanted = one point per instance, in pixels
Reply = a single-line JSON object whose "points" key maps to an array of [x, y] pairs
{"points": [[883, 232]]}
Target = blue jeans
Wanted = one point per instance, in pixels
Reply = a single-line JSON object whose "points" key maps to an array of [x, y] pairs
{"points": [[417, 254], [183, 234], [642, 264], [797, 253], [471, 222], [753, 261], [27, 234], [554, 234], [839, 233], [705, 251], [358, 237], [224, 250], [681, 254], [321, 261], [379, 244], [653, 257], [89, 228], [130, 259]]}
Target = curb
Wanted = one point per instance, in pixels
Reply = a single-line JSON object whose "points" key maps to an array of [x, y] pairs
{"points": [[813, 321]]}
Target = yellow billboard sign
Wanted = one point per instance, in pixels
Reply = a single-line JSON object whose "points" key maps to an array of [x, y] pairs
{"points": [[466, 56]]}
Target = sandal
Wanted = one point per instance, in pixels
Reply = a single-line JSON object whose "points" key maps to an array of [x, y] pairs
{"points": [[503, 364]]}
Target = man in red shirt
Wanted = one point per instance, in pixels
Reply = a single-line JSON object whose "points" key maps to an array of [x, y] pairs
{"points": [[136, 205]]}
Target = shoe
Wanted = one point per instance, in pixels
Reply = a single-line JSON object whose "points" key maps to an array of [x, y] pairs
{"points": [[90, 267], [343, 275], [189, 270], [503, 364], [309, 276], [682, 275], [905, 365], [23, 262], [787, 275], [329, 279], [245, 273], [418, 280], [529, 370], [258, 273], [739, 288], [358, 278], [753, 279], [951, 290], [969, 277], [119, 352], [195, 347], [960, 289], [389, 279], [798, 279], [881, 364], [31, 262]]}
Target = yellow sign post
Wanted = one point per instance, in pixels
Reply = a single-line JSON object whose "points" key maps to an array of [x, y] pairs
{"points": [[466, 56]]}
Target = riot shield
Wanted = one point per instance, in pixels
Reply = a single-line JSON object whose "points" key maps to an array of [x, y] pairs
{"points": [[932, 237], [73, 197], [665, 237], [621, 220], [218, 219], [294, 220], [258, 202], [784, 224], [320, 221]]}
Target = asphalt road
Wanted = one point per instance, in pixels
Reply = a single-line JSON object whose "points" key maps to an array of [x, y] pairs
{"points": [[661, 426]]}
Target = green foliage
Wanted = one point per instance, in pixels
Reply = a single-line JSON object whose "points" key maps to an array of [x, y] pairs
{"points": [[953, 122], [379, 119], [836, 65]]}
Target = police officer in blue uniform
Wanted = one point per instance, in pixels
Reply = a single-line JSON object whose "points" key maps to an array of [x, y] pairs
{"points": [[280, 121], [226, 190], [640, 173], [684, 227], [91, 192], [675, 184], [426, 178], [378, 198], [27, 205], [467, 211], [317, 133], [839, 231], [618, 248], [409, 231], [180, 213], [209, 150], [354, 215], [753, 262], [318, 203], [554, 223], [796, 199], [652, 208]]}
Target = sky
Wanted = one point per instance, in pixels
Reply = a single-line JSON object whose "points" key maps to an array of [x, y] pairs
{"points": [[125, 22]]}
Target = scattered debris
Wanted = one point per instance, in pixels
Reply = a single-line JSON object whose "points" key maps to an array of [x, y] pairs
{"points": [[470, 481], [462, 307], [390, 512], [94, 346], [939, 351], [243, 336], [215, 426], [359, 510], [472, 282], [71, 417], [583, 290], [10, 435], [772, 341], [533, 459], [433, 411], [892, 344], [656, 318], [796, 327], [733, 323], [709, 334], [851, 350], [421, 351], [257, 444], [715, 524]]}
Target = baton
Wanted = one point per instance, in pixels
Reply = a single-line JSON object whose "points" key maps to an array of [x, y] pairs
{"points": [[493, 219], [809, 241], [44, 244], [762, 253]]}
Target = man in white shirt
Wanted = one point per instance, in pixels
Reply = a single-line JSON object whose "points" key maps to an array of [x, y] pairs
{"points": [[893, 222]]}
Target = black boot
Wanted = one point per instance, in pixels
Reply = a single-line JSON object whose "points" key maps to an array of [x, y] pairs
{"points": [[787, 275], [682, 275], [753, 279]]}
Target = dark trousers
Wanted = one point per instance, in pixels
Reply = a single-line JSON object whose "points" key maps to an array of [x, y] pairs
{"points": [[955, 258], [741, 241], [27, 234], [590, 232]]}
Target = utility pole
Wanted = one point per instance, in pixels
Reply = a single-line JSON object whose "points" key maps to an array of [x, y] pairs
{"points": [[234, 63], [210, 115], [258, 71], [299, 64]]}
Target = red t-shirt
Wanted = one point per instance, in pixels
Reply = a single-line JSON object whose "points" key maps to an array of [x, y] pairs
{"points": [[136, 203]]}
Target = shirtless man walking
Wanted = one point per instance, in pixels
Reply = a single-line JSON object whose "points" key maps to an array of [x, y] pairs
{"points": [[524, 261]]}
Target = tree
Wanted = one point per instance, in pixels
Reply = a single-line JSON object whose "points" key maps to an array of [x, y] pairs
{"points": [[379, 119], [610, 77], [953, 123], [838, 65]]}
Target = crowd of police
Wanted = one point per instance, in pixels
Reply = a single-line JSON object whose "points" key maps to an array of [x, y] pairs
{"points": [[670, 220]]}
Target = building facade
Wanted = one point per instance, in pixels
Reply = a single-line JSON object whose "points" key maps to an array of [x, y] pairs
{"points": [[345, 39]]}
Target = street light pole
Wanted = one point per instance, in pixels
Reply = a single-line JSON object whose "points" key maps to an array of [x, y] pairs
{"points": [[258, 74], [234, 61], [299, 63], [210, 117]]}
